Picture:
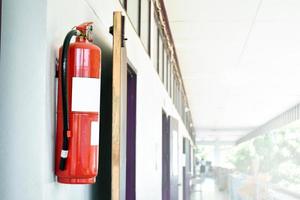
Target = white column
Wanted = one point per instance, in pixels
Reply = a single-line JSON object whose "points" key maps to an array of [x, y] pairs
{"points": [[217, 153]]}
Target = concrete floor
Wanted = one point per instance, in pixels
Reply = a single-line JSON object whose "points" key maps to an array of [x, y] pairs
{"points": [[209, 191]]}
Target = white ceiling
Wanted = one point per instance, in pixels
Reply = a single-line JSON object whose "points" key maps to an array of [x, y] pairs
{"points": [[240, 61]]}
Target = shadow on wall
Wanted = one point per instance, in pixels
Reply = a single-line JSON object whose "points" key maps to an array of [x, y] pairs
{"points": [[102, 187]]}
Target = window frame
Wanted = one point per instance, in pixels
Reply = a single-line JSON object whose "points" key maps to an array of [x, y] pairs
{"points": [[147, 46]]}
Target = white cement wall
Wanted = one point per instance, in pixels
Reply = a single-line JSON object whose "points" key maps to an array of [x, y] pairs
{"points": [[32, 31], [22, 102]]}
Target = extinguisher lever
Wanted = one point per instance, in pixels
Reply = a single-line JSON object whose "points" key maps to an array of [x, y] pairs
{"points": [[64, 90], [86, 30]]}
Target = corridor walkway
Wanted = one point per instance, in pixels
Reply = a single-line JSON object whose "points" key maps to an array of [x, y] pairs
{"points": [[209, 191]]}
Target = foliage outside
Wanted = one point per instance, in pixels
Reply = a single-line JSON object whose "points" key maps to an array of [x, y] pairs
{"points": [[276, 155]]}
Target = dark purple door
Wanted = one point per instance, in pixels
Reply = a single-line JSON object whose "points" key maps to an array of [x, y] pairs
{"points": [[165, 157], [186, 170], [174, 156], [131, 135]]}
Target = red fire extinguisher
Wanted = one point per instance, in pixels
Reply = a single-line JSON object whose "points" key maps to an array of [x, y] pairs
{"points": [[78, 107]]}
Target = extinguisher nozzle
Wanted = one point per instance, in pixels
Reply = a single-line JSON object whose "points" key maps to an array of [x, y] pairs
{"points": [[63, 159], [62, 164]]}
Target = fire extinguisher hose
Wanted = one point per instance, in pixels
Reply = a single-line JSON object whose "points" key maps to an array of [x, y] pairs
{"points": [[64, 89]]}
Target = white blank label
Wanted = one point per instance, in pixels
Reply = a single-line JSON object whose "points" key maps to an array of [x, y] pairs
{"points": [[86, 94], [95, 133]]}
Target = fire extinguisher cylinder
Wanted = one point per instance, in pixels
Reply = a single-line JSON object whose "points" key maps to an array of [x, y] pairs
{"points": [[78, 108]]}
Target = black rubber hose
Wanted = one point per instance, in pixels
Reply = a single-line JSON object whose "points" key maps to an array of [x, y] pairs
{"points": [[64, 90]]}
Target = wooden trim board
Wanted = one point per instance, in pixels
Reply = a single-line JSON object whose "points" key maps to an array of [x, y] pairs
{"points": [[116, 108], [119, 109]]}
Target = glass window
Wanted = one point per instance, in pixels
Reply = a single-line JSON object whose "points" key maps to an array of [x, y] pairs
{"points": [[161, 55], [154, 48], [176, 93], [178, 98], [182, 106], [167, 74], [178, 101], [173, 88], [145, 24], [158, 51], [171, 81], [123, 2], [133, 7], [165, 68]]}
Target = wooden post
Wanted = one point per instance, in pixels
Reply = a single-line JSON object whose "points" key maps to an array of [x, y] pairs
{"points": [[119, 94]]}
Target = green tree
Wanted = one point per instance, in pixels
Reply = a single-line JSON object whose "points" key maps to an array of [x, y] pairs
{"points": [[241, 159]]}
